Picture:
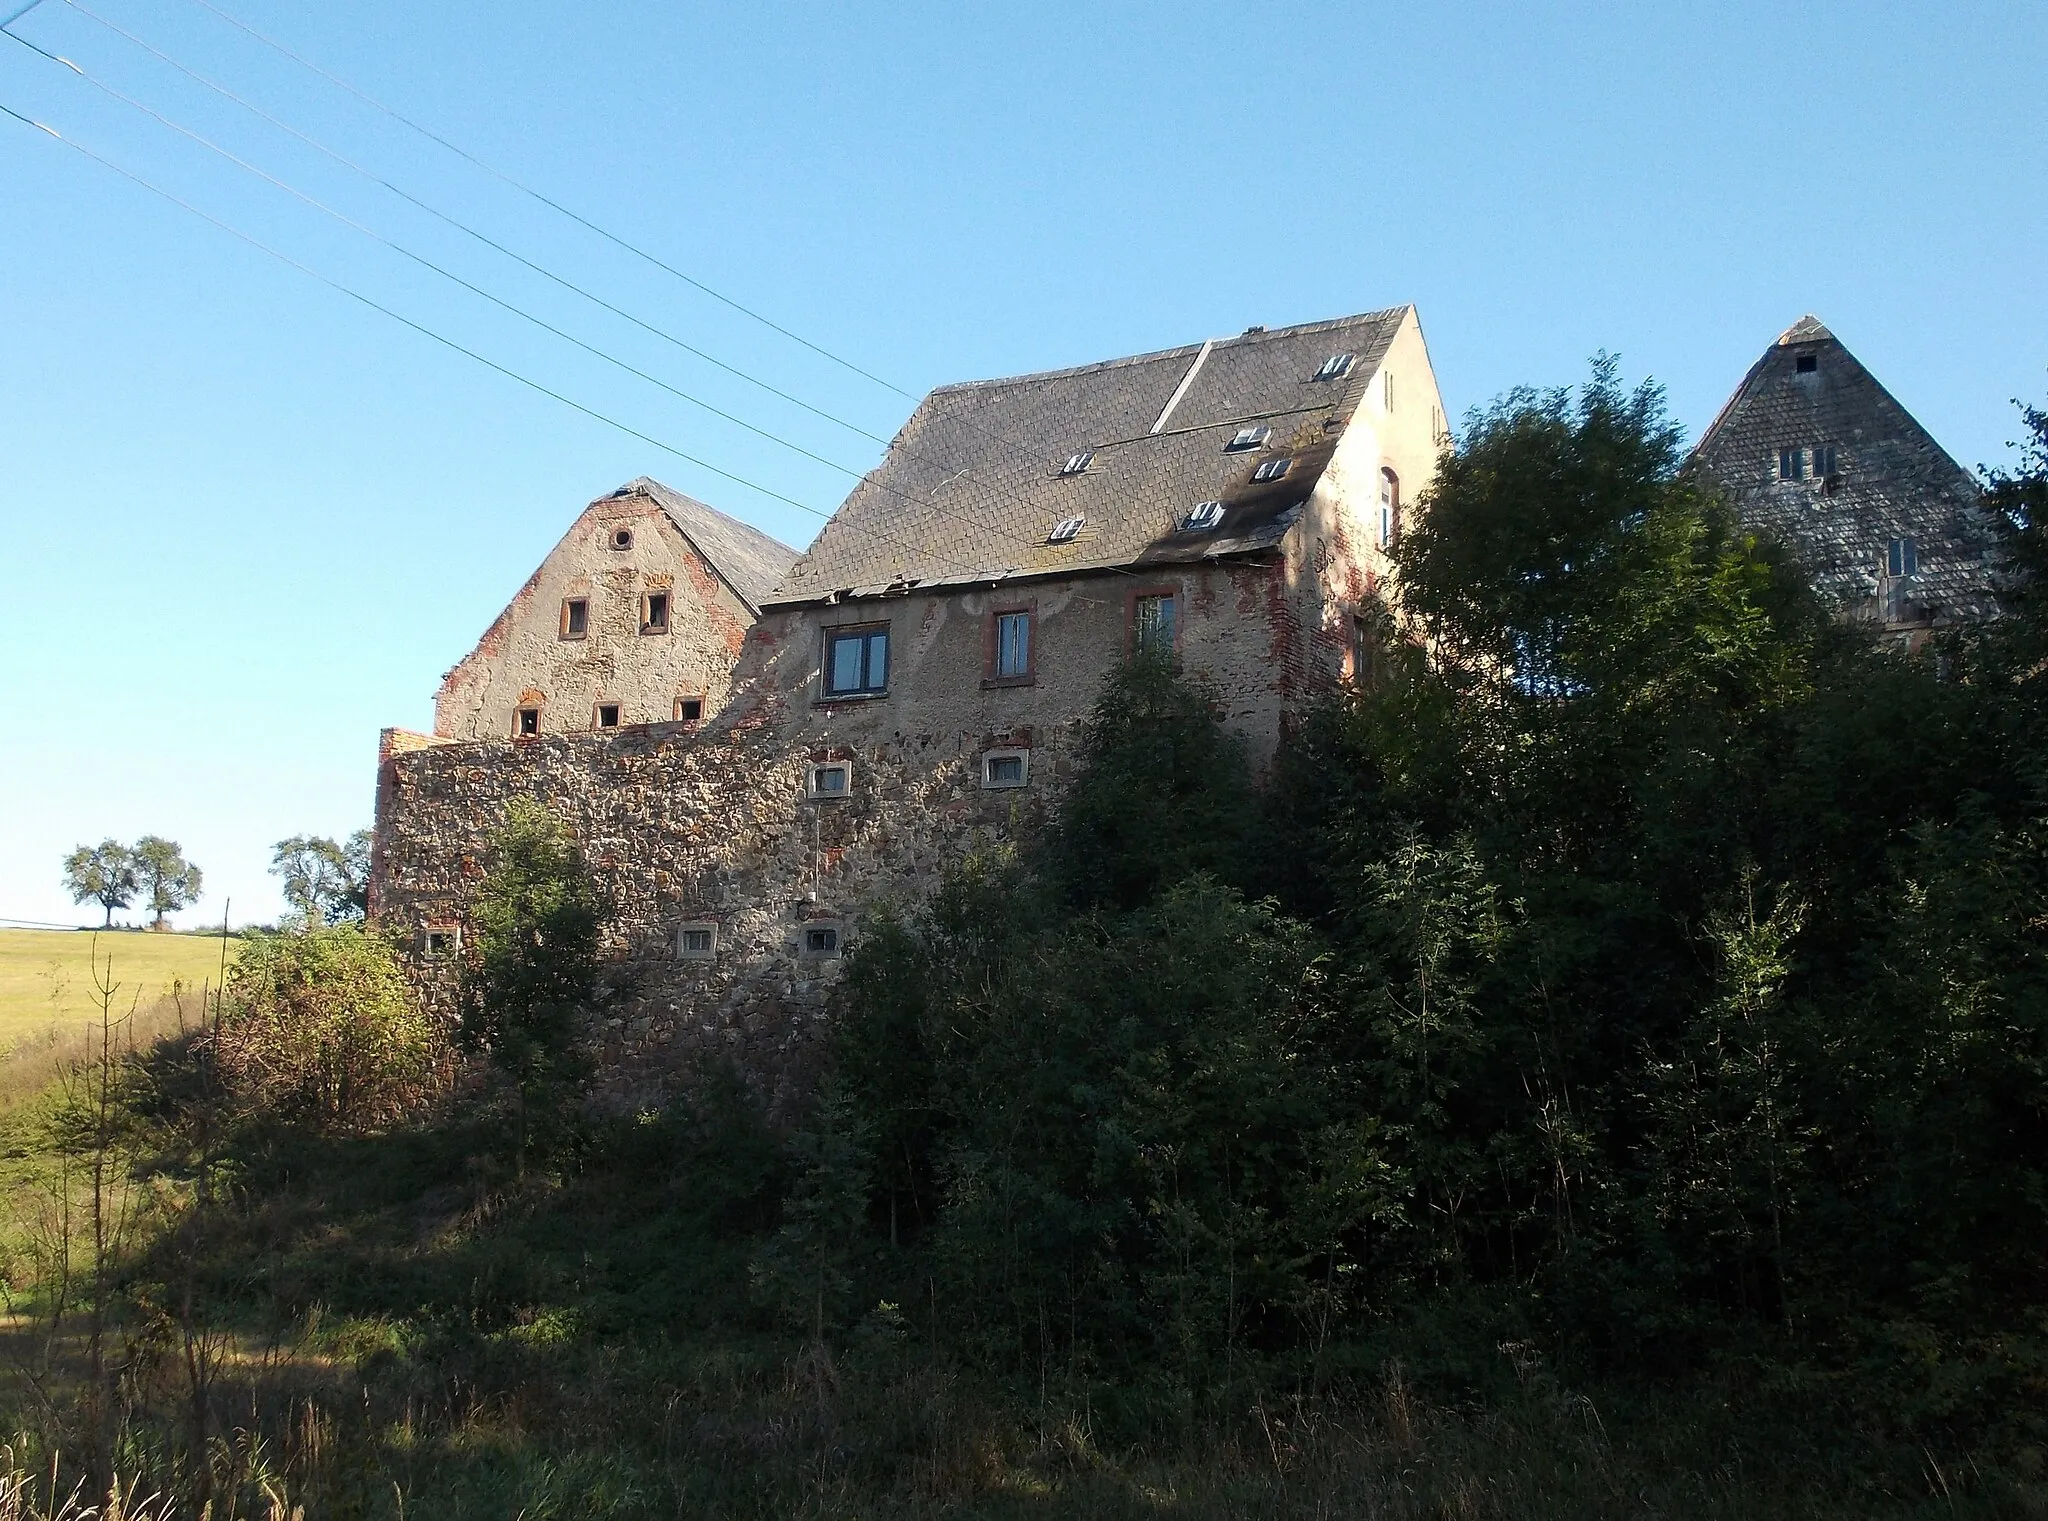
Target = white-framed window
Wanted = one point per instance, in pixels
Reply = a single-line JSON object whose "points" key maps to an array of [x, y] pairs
{"points": [[856, 662], [1272, 469], [697, 941], [1077, 463], [1247, 438], [820, 940], [1202, 517], [829, 780], [439, 941], [1336, 367], [1064, 531], [1005, 768]]}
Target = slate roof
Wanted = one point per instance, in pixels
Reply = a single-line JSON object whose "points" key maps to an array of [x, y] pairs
{"points": [[971, 487], [1892, 481], [749, 561]]}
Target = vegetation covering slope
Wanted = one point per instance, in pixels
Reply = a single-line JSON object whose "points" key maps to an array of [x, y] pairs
{"points": [[1599, 1073]]}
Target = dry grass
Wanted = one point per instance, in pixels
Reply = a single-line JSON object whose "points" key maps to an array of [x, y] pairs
{"points": [[47, 982]]}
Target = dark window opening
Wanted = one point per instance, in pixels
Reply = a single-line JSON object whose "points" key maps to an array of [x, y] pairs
{"points": [[654, 616], [1335, 367], [622, 538], [575, 617], [696, 940], [857, 664], [1272, 469], [1807, 363], [1153, 625], [1365, 653], [529, 721], [1077, 463], [1791, 464], [1004, 771], [1823, 461], [689, 709], [1902, 558], [1013, 646], [607, 715], [821, 940], [833, 780], [440, 942]]}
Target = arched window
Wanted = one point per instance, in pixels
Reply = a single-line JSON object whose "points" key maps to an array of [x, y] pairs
{"points": [[1390, 508]]}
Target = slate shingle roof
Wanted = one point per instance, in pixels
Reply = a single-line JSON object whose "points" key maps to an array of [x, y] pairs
{"points": [[749, 561], [971, 487], [1892, 481]]}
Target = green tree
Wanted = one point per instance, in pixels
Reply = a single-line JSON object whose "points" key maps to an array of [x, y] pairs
{"points": [[316, 873], [533, 971], [104, 873], [355, 861], [169, 882]]}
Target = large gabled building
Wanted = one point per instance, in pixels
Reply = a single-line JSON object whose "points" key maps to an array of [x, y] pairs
{"points": [[1817, 455]]}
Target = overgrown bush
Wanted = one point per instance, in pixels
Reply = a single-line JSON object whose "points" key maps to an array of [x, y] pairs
{"points": [[321, 1029]]}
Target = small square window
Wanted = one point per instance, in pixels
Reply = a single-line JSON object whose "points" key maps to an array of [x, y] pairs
{"points": [[689, 710], [622, 538], [1247, 438], [439, 940], [1153, 624], [607, 715], [575, 617], [830, 780], [654, 613], [1806, 364], [697, 942], [1012, 646], [527, 723], [1077, 463], [1791, 464], [1202, 517], [1336, 367], [857, 662], [1064, 530], [1902, 558], [1005, 768], [820, 940], [1272, 469]]}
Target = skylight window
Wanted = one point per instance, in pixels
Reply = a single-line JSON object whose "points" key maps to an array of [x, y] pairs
{"points": [[1076, 463], [1064, 530], [1336, 367], [1203, 517], [1247, 438], [1272, 469]]}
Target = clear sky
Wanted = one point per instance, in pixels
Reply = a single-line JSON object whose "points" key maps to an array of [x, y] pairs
{"points": [[246, 522]]}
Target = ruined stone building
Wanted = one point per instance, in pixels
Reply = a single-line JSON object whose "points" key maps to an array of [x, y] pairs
{"points": [[1816, 455], [916, 681], [790, 739]]}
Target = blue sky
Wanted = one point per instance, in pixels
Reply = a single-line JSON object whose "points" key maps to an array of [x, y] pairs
{"points": [[246, 522]]}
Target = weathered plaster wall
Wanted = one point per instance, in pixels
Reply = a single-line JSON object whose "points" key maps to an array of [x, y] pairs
{"points": [[524, 659]]}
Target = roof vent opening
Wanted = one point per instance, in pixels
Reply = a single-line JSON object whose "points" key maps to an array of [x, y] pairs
{"points": [[1272, 469], [1336, 367], [1247, 438], [1807, 363], [1064, 530], [1202, 517], [1257, 327], [1076, 463]]}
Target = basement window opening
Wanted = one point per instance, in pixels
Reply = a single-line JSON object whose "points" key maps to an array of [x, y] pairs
{"points": [[833, 779], [1077, 463], [857, 663], [1005, 768], [607, 715], [821, 940], [575, 617], [527, 723], [654, 613], [697, 942], [1272, 469], [1064, 530], [1336, 367], [1247, 438], [1202, 517], [441, 940], [689, 710]]}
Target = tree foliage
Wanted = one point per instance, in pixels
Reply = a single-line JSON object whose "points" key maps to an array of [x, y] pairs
{"points": [[104, 874], [168, 881], [324, 882]]}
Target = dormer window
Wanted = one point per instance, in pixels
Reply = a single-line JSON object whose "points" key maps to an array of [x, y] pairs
{"points": [[1063, 532], [1823, 461], [1247, 438], [1272, 469], [1203, 517], [1336, 367], [1077, 463], [1902, 558]]}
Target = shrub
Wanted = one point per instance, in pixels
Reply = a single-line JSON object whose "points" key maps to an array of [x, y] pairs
{"points": [[321, 1029]]}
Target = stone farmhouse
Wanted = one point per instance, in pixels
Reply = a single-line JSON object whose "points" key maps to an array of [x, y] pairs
{"points": [[755, 761]]}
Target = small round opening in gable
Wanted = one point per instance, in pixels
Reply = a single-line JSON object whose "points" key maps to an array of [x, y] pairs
{"points": [[622, 538]]}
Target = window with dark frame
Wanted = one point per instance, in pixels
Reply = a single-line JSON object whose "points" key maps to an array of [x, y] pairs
{"points": [[654, 613], [1202, 517], [575, 617], [1791, 464], [607, 715], [1152, 624], [1247, 438], [856, 662], [1823, 461], [1076, 464], [1902, 558], [821, 940], [1012, 645], [697, 942], [527, 723], [689, 710], [1335, 367]]}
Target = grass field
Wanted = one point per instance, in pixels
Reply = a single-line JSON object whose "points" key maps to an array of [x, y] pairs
{"points": [[46, 977]]}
